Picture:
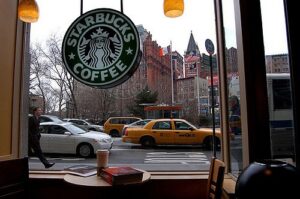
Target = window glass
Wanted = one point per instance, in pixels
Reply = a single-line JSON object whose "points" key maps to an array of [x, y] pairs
{"points": [[115, 121], [181, 126], [281, 94], [45, 119], [231, 62], [56, 130], [77, 122], [131, 120], [140, 123], [162, 125], [43, 129], [174, 71], [82, 122], [75, 129], [125, 121], [278, 80]]}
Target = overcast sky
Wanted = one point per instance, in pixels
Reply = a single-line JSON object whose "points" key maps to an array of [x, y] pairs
{"points": [[57, 15]]}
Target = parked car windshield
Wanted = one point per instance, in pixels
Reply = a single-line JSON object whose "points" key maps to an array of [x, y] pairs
{"points": [[89, 123], [75, 129]]}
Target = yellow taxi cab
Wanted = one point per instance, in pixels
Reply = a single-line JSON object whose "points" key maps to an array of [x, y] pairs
{"points": [[171, 132], [114, 125]]}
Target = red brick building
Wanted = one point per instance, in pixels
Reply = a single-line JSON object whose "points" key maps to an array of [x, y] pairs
{"points": [[158, 70]]}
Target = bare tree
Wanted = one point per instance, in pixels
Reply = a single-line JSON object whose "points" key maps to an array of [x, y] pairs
{"points": [[106, 101], [94, 103], [189, 112], [62, 84], [37, 80]]}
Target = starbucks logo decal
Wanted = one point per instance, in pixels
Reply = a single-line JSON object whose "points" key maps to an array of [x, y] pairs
{"points": [[101, 48]]}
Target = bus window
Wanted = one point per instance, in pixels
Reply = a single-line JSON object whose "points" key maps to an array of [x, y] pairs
{"points": [[280, 115], [282, 94]]}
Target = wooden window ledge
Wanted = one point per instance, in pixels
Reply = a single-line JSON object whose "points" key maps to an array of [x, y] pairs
{"points": [[229, 187], [154, 175]]}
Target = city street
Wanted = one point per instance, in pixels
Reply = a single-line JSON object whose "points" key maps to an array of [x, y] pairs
{"points": [[160, 158]]}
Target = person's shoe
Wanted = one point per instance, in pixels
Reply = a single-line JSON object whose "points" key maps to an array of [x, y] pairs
{"points": [[48, 165]]}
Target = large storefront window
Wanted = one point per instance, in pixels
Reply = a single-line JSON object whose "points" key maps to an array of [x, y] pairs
{"points": [[173, 78], [278, 80], [233, 86], [278, 84]]}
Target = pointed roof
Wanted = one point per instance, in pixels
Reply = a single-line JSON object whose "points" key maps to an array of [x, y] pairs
{"points": [[192, 48]]}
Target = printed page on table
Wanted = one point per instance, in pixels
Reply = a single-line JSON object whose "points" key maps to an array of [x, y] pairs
{"points": [[81, 170]]}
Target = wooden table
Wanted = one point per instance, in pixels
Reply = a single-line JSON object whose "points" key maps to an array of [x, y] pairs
{"points": [[97, 181]]}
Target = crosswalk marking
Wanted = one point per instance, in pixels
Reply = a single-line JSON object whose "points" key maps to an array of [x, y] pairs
{"points": [[176, 157], [175, 153]]}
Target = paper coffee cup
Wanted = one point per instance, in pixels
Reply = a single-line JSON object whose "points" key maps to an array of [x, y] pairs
{"points": [[102, 160]]}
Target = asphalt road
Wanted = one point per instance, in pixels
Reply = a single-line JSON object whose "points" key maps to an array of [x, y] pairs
{"points": [[160, 158]]}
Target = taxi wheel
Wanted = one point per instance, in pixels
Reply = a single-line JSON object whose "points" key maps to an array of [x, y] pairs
{"points": [[147, 142]]}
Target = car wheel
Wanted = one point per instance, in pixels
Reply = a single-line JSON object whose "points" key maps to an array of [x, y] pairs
{"points": [[208, 142], [147, 142], [114, 133], [85, 150]]}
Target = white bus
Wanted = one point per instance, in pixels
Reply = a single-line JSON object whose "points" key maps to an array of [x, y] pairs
{"points": [[280, 115]]}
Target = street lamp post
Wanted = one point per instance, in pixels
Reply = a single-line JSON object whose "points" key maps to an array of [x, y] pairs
{"points": [[211, 49]]}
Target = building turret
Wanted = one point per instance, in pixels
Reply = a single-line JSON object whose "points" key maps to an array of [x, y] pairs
{"points": [[192, 48]]}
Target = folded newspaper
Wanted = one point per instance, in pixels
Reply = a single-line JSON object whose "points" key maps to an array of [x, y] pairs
{"points": [[81, 170]]}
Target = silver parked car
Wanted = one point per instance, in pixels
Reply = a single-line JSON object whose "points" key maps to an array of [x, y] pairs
{"points": [[68, 138], [85, 124]]}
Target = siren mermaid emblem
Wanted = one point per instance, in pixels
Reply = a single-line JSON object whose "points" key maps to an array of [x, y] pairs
{"points": [[99, 50]]}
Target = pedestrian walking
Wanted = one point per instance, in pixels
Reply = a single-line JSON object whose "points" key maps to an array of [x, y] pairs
{"points": [[34, 136]]}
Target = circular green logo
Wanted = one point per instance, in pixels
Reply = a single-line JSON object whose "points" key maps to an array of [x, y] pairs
{"points": [[101, 48]]}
